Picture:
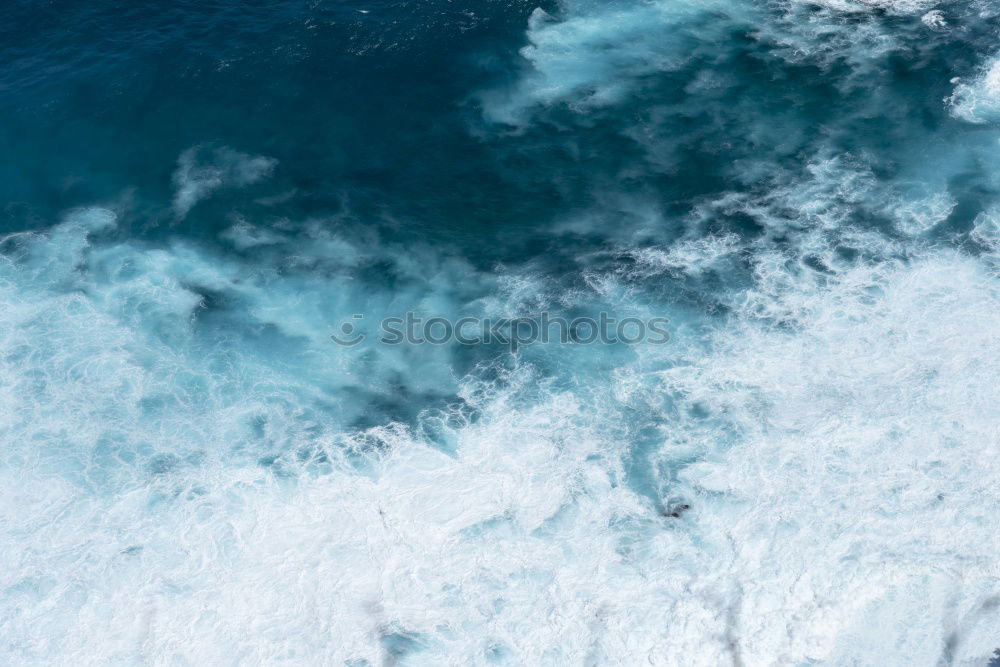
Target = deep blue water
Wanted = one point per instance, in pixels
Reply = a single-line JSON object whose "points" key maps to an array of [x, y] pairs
{"points": [[197, 195]]}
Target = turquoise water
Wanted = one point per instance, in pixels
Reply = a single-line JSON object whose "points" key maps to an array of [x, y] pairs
{"points": [[198, 195]]}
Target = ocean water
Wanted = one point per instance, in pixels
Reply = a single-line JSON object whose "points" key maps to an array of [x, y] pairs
{"points": [[197, 195]]}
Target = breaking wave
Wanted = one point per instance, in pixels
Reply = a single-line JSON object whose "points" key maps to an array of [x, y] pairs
{"points": [[192, 472]]}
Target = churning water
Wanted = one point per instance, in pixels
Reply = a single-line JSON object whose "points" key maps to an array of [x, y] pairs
{"points": [[198, 194]]}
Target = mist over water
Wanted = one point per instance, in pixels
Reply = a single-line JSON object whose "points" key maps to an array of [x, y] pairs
{"points": [[197, 195]]}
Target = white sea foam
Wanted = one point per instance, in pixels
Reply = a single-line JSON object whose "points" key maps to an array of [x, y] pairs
{"points": [[597, 54], [935, 20], [978, 101], [689, 256], [895, 6], [915, 216], [118, 350], [201, 171], [593, 54], [860, 420], [986, 229], [843, 505], [183, 480]]}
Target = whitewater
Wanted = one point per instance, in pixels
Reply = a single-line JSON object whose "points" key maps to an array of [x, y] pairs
{"points": [[193, 473]]}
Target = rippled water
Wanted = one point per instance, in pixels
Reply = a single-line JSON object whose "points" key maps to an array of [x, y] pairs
{"points": [[197, 195]]}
